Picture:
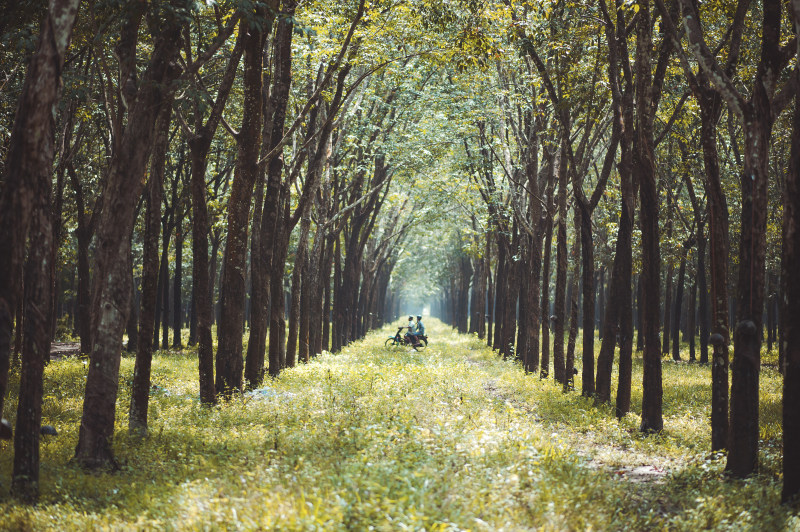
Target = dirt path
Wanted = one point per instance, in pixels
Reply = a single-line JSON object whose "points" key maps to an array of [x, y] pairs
{"points": [[588, 447]]}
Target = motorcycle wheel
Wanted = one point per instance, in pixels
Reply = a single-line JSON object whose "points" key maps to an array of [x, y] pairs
{"points": [[389, 343]]}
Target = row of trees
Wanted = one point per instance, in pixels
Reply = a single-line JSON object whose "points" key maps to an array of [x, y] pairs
{"points": [[603, 139], [264, 130]]}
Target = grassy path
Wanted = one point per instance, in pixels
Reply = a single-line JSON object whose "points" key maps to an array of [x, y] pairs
{"points": [[451, 438]]}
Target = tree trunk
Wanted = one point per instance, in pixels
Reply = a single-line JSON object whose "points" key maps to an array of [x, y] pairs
{"points": [[667, 329], [561, 268], [569, 363], [37, 297], [132, 327], [26, 185], [601, 301], [692, 319], [490, 303], [230, 366], [165, 284], [277, 323], [652, 420], [676, 320], [124, 184], [29, 160], [500, 292], [83, 233], [639, 318], [546, 321], [294, 308], [140, 391], [790, 307], [177, 292], [743, 438], [326, 304], [588, 303]]}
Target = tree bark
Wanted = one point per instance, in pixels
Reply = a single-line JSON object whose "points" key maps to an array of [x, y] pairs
{"points": [[36, 344], [29, 162], [124, 185], [676, 320], [667, 328], [569, 363], [140, 391], [790, 306], [561, 267], [229, 363], [270, 215], [177, 287], [652, 420]]}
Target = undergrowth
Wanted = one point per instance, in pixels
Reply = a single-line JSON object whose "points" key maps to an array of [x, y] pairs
{"points": [[371, 438]]}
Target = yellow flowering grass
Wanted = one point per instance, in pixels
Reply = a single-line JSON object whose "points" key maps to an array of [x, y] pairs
{"points": [[452, 438]]}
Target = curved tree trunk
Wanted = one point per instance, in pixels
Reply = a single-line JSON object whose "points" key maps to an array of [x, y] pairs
{"points": [[124, 185]]}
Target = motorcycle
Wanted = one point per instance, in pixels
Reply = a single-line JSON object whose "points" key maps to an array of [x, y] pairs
{"points": [[401, 340]]}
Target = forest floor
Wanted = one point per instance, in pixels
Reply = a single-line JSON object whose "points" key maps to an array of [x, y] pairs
{"points": [[450, 438]]}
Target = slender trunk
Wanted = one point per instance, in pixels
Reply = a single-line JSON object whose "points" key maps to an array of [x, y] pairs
{"points": [[165, 285], [177, 292], [202, 276], [639, 315], [561, 269], [618, 317], [601, 302], [702, 307], [230, 366], [490, 306], [326, 304], [667, 329], [523, 274], [545, 309], [790, 308], [298, 274], [743, 437], [569, 365], [140, 392], [132, 327], [336, 339], [652, 391], [692, 322], [84, 279], [588, 303], [277, 322], [676, 321], [500, 293]]}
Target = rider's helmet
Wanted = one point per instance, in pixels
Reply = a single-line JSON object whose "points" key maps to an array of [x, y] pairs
{"points": [[410, 318], [419, 318]]}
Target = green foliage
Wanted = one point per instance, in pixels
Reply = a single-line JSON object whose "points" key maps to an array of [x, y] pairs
{"points": [[451, 438]]}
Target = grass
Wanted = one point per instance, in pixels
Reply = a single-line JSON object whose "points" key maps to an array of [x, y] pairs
{"points": [[450, 438]]}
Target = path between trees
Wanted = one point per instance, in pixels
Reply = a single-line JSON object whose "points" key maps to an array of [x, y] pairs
{"points": [[451, 438]]}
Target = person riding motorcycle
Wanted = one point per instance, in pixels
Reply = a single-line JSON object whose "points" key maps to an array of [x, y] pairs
{"points": [[419, 329]]}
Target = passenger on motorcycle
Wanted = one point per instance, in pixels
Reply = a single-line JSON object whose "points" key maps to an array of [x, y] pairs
{"points": [[409, 336]]}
